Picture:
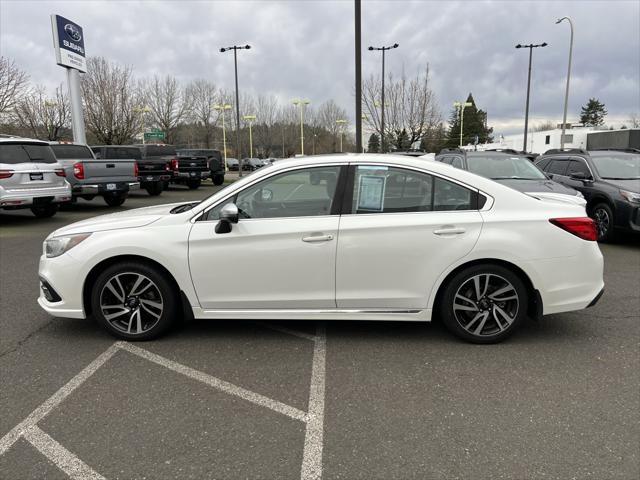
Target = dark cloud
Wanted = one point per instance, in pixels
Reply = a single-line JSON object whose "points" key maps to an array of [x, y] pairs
{"points": [[305, 49]]}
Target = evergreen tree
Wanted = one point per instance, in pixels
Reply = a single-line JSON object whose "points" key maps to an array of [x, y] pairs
{"points": [[475, 123], [593, 113], [401, 142], [374, 144]]}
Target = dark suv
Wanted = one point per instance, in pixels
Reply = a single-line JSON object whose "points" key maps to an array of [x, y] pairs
{"points": [[509, 167], [609, 181]]}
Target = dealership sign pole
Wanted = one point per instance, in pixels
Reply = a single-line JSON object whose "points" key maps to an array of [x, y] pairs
{"points": [[68, 42]]}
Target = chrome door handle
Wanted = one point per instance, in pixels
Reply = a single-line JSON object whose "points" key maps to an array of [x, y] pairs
{"points": [[317, 238], [449, 231]]}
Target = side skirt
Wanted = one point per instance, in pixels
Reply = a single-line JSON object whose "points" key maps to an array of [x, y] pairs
{"points": [[316, 314]]}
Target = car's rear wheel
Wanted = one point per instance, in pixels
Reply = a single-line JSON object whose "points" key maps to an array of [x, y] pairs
{"points": [[154, 189], [218, 179], [484, 303], [115, 199], [193, 184], [133, 301], [603, 216], [45, 211]]}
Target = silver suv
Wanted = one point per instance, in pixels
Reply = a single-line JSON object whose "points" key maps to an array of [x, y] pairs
{"points": [[31, 177]]}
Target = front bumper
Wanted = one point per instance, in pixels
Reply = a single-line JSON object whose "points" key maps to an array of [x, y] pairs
{"points": [[627, 216], [25, 198], [60, 275], [102, 188]]}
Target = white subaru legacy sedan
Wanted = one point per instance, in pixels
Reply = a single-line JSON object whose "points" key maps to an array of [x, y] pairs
{"points": [[344, 237]]}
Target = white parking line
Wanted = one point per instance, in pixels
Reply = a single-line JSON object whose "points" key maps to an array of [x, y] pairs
{"points": [[60, 456], [313, 441], [54, 400], [212, 381]]}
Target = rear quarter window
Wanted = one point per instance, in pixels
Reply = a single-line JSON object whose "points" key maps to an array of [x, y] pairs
{"points": [[14, 153], [75, 152]]}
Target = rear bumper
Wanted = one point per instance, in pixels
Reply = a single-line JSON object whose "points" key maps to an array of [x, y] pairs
{"points": [[102, 188], [204, 174], [25, 198]]}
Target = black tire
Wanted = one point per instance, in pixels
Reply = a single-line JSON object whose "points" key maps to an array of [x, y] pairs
{"points": [[218, 179], [194, 184], [45, 211], [602, 214], [115, 199], [154, 189], [487, 320], [154, 321], [88, 198]]}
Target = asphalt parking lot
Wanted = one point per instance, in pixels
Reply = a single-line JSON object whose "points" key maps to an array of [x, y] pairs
{"points": [[364, 400]]}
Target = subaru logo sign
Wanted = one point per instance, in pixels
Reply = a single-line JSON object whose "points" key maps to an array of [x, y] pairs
{"points": [[73, 31]]}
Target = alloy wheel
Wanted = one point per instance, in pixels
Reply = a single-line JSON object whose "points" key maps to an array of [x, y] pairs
{"points": [[131, 303], [601, 217], [486, 304]]}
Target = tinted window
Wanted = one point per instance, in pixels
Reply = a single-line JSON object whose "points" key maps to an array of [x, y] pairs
{"points": [[74, 152], [446, 160], [451, 196], [457, 162], [547, 139], [123, 153], [387, 190], [499, 167], [557, 166], [160, 150], [13, 153], [300, 193], [542, 164], [578, 166]]}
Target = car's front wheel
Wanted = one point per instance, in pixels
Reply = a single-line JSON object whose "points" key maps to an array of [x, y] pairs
{"points": [[133, 301], [484, 303], [603, 216]]}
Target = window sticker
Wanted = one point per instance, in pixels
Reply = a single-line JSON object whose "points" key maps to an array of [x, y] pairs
{"points": [[371, 193]]}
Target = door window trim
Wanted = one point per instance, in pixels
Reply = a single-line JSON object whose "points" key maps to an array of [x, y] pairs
{"points": [[583, 161]]}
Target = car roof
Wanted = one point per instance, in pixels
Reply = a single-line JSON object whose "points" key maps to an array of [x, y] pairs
{"points": [[15, 139]]}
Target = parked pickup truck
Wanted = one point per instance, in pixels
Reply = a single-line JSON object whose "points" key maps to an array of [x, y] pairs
{"points": [[150, 175], [155, 166], [89, 177], [207, 162]]}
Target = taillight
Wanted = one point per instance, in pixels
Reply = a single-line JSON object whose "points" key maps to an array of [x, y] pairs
{"points": [[6, 173], [582, 227], [175, 164], [60, 172], [136, 171], [78, 171]]}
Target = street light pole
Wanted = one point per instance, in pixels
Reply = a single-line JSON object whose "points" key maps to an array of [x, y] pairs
{"points": [[250, 119], [461, 106], [301, 103], [566, 93], [341, 122], [526, 114], [383, 50], [222, 108], [364, 118], [143, 110], [235, 49]]}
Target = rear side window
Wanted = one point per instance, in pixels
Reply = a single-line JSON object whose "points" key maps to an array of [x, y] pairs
{"points": [[542, 164], [123, 153], [13, 153], [451, 196], [557, 166], [74, 152]]}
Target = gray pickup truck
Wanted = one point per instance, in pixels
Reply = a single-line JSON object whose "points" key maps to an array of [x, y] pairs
{"points": [[89, 177]]}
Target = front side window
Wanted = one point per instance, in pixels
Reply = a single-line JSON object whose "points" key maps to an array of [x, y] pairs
{"points": [[578, 166], [557, 166], [379, 189], [300, 193], [456, 162]]}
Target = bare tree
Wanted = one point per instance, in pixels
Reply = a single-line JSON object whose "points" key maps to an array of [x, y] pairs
{"points": [[634, 120], [328, 115], [264, 133], [111, 102], [41, 116], [13, 84], [169, 104], [410, 105], [547, 125]]}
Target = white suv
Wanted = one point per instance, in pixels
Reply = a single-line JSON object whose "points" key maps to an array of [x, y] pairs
{"points": [[31, 177]]}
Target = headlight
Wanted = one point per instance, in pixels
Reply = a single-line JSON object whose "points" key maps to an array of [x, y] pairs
{"points": [[630, 196], [579, 194], [56, 246]]}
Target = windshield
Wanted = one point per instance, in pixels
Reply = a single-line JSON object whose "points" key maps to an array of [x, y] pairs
{"points": [[503, 167], [618, 167], [75, 152]]}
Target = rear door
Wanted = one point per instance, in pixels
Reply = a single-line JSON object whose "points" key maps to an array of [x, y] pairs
{"points": [[403, 229]]}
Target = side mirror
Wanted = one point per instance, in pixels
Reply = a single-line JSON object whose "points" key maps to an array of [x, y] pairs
{"points": [[228, 215]]}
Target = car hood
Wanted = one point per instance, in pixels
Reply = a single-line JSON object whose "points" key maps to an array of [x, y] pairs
{"points": [[548, 186], [138, 217], [631, 185]]}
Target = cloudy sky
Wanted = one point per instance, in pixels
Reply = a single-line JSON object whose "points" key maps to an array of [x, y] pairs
{"points": [[304, 48]]}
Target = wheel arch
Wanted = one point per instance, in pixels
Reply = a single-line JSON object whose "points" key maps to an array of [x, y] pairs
{"points": [[107, 262], [600, 198], [534, 307]]}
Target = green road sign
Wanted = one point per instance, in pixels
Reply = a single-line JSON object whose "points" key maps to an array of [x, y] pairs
{"points": [[157, 134]]}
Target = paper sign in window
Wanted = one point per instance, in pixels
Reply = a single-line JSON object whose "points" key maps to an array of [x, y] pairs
{"points": [[371, 193]]}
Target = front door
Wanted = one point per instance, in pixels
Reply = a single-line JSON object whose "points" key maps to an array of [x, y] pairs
{"points": [[280, 254], [404, 229]]}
